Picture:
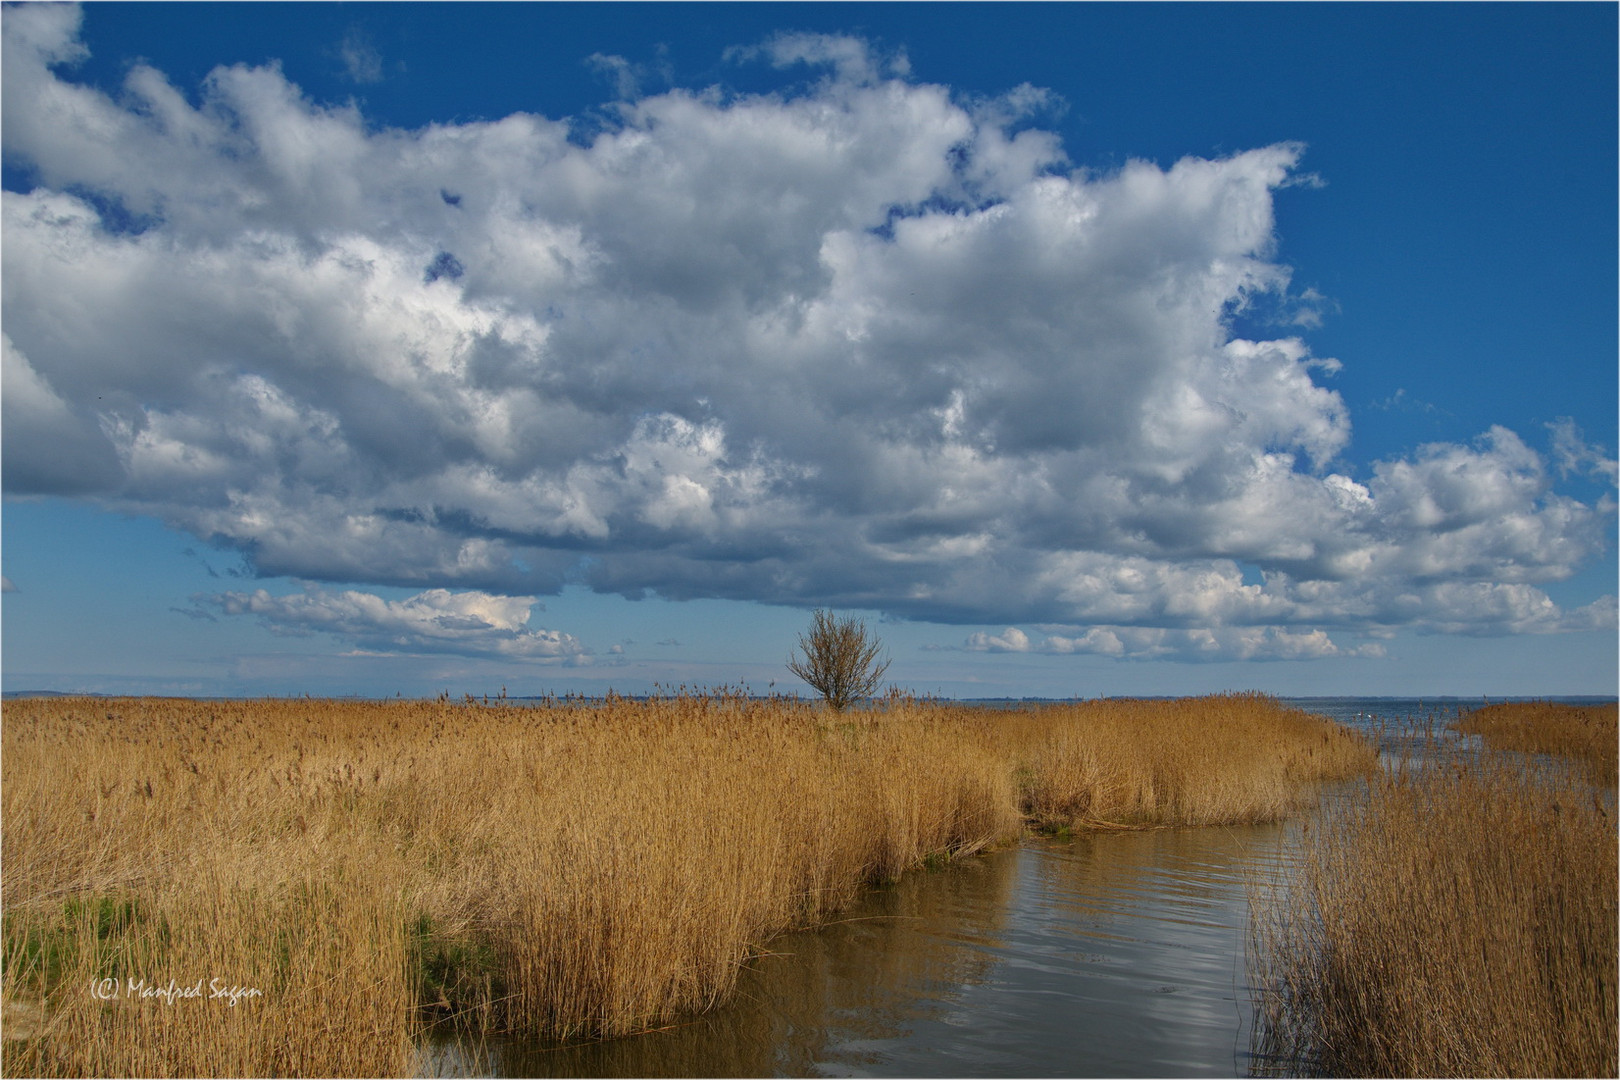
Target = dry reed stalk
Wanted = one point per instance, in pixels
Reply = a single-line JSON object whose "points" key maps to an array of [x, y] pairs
{"points": [[1587, 733], [1451, 920], [584, 869]]}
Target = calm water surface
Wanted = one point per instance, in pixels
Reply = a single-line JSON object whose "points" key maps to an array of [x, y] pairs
{"points": [[1111, 954], [1107, 955]]}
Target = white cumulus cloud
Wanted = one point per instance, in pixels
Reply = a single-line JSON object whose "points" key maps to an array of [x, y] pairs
{"points": [[438, 620], [860, 342], [1204, 644], [1010, 640]]}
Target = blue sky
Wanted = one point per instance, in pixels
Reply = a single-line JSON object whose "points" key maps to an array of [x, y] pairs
{"points": [[1084, 349]]}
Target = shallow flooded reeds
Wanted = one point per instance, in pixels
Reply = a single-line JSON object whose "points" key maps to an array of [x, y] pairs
{"points": [[1226, 760], [1455, 917], [297, 887], [1589, 734]]}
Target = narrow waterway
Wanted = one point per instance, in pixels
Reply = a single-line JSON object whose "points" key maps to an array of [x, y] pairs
{"points": [[1107, 954], [1116, 954]]}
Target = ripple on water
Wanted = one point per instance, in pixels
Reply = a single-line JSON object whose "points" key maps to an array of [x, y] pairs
{"points": [[1118, 954]]}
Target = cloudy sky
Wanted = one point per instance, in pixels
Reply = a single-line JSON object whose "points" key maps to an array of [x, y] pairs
{"points": [[1082, 349]]}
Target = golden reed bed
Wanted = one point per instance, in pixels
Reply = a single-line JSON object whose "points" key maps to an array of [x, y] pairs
{"points": [[1588, 734], [1457, 916], [351, 871]]}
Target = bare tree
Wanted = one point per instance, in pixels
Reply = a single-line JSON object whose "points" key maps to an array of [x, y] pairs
{"points": [[840, 659]]}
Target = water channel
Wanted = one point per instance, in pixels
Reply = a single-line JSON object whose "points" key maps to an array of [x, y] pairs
{"points": [[1107, 954]]}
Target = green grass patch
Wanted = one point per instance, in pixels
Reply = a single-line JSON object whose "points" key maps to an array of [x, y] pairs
{"points": [[113, 932]]}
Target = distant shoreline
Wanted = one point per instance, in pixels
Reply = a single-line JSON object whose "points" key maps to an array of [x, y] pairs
{"points": [[1579, 699]]}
